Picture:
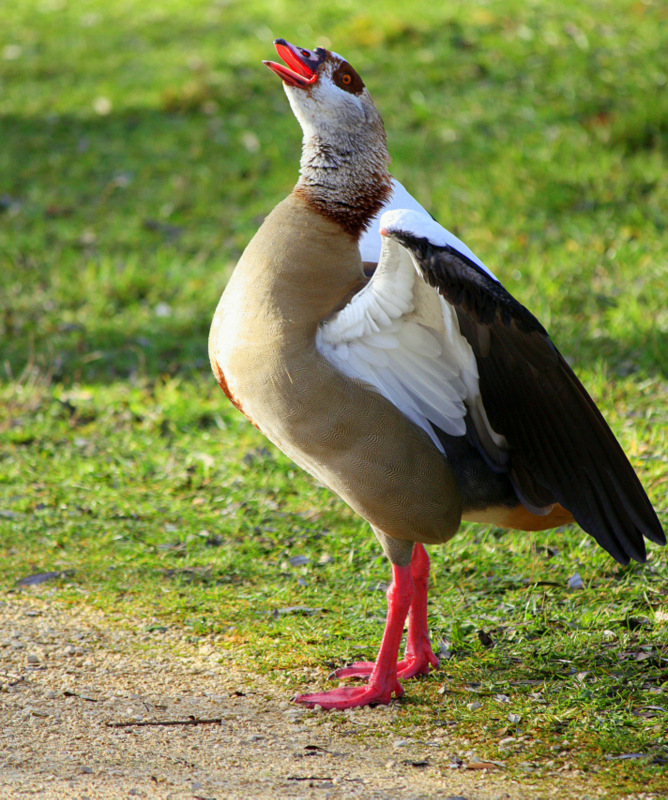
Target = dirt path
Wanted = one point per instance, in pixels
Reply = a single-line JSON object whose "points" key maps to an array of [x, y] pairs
{"points": [[66, 675]]}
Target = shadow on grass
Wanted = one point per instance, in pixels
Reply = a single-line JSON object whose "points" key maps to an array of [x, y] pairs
{"points": [[117, 235]]}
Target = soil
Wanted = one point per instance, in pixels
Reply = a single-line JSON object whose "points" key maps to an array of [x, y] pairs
{"points": [[80, 697]]}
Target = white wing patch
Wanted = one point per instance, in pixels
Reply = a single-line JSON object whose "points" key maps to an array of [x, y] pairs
{"points": [[370, 242], [398, 335], [401, 201]]}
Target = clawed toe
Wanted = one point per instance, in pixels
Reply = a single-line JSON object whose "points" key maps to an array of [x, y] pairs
{"points": [[360, 669], [350, 697]]}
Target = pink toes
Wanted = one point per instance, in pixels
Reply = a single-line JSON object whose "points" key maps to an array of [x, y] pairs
{"points": [[351, 696]]}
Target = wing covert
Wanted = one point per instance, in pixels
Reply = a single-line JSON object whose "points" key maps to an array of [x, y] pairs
{"points": [[398, 336]]}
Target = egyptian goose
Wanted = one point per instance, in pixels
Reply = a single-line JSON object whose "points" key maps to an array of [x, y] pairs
{"points": [[423, 395]]}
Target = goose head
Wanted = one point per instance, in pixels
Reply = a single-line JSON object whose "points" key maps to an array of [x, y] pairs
{"points": [[344, 162]]}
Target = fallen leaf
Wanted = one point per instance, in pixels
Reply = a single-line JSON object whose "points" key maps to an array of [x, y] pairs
{"points": [[41, 577], [625, 756], [169, 231], [306, 610]]}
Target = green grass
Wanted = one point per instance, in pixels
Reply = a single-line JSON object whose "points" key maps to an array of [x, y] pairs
{"points": [[140, 145]]}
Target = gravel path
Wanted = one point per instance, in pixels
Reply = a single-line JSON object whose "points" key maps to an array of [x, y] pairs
{"points": [[70, 682]]}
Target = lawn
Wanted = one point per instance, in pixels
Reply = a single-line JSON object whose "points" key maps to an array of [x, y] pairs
{"points": [[140, 145]]}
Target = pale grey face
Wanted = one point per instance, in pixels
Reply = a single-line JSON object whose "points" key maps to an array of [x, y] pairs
{"points": [[326, 94], [337, 100]]}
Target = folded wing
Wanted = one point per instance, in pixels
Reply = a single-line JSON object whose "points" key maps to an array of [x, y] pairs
{"points": [[560, 448]]}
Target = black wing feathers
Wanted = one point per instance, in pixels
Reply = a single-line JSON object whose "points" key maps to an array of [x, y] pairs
{"points": [[561, 448]]}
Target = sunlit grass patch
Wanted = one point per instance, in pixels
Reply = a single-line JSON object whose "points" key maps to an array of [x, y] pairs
{"points": [[141, 144]]}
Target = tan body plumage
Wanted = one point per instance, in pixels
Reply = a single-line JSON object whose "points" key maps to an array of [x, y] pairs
{"points": [[348, 436]]}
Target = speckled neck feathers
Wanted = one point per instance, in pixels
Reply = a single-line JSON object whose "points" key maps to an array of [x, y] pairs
{"points": [[344, 164], [347, 179]]}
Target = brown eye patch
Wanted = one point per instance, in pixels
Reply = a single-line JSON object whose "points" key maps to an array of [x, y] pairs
{"points": [[347, 79]]}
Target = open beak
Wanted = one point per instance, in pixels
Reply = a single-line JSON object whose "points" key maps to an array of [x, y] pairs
{"points": [[301, 65]]}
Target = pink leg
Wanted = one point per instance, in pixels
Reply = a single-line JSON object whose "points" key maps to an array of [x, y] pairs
{"points": [[383, 681], [419, 654]]}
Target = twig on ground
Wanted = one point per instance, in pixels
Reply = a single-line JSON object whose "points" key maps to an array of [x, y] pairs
{"points": [[167, 722]]}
